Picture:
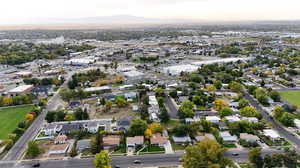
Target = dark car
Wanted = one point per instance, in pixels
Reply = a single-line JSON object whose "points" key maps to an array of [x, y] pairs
{"points": [[137, 162], [235, 154], [117, 166], [36, 165]]}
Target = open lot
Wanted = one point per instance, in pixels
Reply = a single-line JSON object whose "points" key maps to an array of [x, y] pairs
{"points": [[10, 118], [291, 96]]}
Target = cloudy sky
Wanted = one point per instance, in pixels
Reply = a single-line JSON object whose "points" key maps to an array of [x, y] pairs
{"points": [[17, 11]]}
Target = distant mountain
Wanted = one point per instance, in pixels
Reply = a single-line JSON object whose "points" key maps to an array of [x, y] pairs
{"points": [[116, 19]]}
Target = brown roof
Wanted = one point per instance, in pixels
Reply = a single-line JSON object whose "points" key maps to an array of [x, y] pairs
{"points": [[206, 135], [157, 138], [135, 140], [111, 140]]}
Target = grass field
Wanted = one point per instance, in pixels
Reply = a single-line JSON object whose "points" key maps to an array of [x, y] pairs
{"points": [[10, 118], [291, 96]]}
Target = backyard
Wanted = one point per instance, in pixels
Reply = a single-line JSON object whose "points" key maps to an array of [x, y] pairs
{"points": [[291, 96], [11, 117]]}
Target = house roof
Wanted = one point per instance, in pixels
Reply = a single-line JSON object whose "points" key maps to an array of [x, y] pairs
{"points": [[181, 139], [249, 137], [157, 139], [61, 138], [271, 133], [206, 135], [135, 140], [111, 140]]}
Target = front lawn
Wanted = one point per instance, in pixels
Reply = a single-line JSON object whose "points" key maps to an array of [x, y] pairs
{"points": [[153, 148], [11, 117], [291, 96], [227, 145]]}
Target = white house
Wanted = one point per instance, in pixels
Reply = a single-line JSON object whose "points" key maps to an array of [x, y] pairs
{"points": [[297, 123], [232, 119], [213, 119], [51, 129], [272, 134], [227, 137]]}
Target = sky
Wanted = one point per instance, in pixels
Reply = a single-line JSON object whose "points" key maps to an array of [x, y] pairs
{"points": [[19, 11]]}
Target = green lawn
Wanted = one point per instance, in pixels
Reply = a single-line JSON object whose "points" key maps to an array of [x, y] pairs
{"points": [[291, 96], [10, 118]]}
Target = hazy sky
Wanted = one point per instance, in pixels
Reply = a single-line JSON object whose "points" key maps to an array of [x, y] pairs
{"points": [[17, 11]]}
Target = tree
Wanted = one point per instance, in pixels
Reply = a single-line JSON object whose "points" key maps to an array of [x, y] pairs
{"points": [[256, 158], [66, 94], [50, 117], [186, 110], [156, 128], [73, 151], [33, 149], [287, 119], [121, 102], [261, 96], [220, 104], [218, 84], [159, 92], [97, 143], [108, 105], [236, 87], [250, 111], [137, 127], [268, 162], [277, 112], [102, 160], [173, 93], [29, 117], [207, 153], [211, 88], [275, 96], [180, 130], [225, 112], [290, 159], [164, 115], [243, 103], [69, 117], [148, 133]]}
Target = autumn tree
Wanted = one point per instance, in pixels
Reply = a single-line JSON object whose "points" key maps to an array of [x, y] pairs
{"points": [[207, 153], [102, 160], [220, 104]]}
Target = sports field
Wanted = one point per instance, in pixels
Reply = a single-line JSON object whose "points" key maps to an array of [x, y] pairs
{"points": [[10, 118], [291, 96]]}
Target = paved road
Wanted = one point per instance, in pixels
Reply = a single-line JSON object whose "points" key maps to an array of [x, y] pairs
{"points": [[277, 126], [173, 112], [16, 152], [127, 161]]}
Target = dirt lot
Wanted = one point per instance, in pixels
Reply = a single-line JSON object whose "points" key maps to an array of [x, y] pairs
{"points": [[114, 112]]}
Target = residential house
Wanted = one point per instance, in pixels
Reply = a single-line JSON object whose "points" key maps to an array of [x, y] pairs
{"points": [[213, 119], [227, 137], [158, 139], [134, 141], [111, 142], [205, 135], [250, 119], [249, 137], [272, 134], [70, 127], [232, 119], [181, 140]]}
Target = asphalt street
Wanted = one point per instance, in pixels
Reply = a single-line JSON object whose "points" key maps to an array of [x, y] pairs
{"points": [[127, 161], [277, 126], [173, 112], [16, 152]]}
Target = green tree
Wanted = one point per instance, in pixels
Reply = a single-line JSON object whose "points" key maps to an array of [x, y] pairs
{"points": [[256, 158], [33, 149], [243, 103], [275, 96], [236, 87], [97, 143], [227, 111], [218, 84], [102, 160], [138, 127], [207, 153], [186, 110], [287, 119], [73, 151], [250, 111]]}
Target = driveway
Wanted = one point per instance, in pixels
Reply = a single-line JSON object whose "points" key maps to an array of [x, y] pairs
{"points": [[168, 148]]}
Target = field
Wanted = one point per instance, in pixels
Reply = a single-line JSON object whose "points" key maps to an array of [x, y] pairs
{"points": [[291, 96], [10, 118]]}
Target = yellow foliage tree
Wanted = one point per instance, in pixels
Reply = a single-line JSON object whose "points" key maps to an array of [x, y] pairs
{"points": [[156, 128], [29, 117], [148, 133], [7, 101], [211, 88], [220, 104], [69, 117]]}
